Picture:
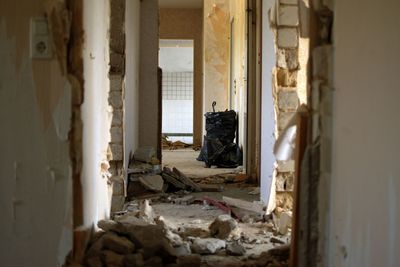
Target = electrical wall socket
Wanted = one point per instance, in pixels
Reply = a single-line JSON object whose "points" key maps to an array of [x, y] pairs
{"points": [[40, 42]]}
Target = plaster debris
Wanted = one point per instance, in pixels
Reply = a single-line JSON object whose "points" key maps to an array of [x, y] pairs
{"points": [[235, 249], [222, 226], [207, 245], [152, 182]]}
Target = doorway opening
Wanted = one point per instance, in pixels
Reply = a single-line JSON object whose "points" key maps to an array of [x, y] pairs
{"points": [[176, 63]]}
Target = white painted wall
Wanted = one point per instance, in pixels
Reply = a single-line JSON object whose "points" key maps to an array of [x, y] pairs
{"points": [[176, 59], [132, 31], [96, 113], [365, 185], [35, 176], [267, 105]]}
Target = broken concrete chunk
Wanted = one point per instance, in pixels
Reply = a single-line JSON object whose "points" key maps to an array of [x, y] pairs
{"points": [[107, 225], [152, 238], [154, 262], [222, 226], [186, 200], [183, 249], [235, 249], [144, 154], [193, 260], [110, 258], [134, 260], [118, 244], [277, 240], [207, 245], [146, 211], [94, 262], [285, 222], [174, 239], [152, 182]]}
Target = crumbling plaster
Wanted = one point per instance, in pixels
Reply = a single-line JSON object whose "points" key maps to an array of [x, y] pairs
{"points": [[35, 110], [216, 54]]}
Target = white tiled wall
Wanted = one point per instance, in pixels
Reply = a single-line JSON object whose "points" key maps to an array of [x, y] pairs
{"points": [[177, 104]]}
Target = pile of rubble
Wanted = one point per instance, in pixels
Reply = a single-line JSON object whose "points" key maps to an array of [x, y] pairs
{"points": [[147, 177], [139, 238], [170, 145]]}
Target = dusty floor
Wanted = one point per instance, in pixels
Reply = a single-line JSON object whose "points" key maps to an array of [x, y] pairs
{"points": [[185, 161]]}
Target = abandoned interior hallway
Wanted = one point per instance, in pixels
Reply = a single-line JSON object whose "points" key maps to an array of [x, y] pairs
{"points": [[113, 153]]}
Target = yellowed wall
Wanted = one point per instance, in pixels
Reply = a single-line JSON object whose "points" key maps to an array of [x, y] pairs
{"points": [[216, 54], [187, 23]]}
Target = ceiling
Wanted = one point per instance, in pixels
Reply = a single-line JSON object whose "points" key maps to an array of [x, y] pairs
{"points": [[181, 3]]}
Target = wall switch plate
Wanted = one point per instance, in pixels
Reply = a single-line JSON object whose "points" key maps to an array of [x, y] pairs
{"points": [[40, 42]]}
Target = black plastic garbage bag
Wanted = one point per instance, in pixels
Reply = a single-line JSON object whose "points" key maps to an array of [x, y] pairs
{"points": [[219, 148], [221, 125]]}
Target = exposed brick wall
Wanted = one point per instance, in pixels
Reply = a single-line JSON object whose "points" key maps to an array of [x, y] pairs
{"points": [[116, 101], [285, 21]]}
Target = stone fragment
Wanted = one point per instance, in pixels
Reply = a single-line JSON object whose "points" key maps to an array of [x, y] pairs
{"points": [[152, 238], [116, 134], [154, 262], [222, 226], [115, 82], [117, 63], [110, 258], [94, 262], [116, 152], [284, 119], [194, 231], [287, 58], [144, 153], [115, 99], [117, 203], [167, 225], [118, 244], [287, 38], [288, 100], [277, 240], [186, 200], [288, 16], [207, 245], [107, 225], [285, 222], [146, 211], [286, 78], [183, 249], [152, 182], [118, 185], [173, 238], [193, 260], [117, 118], [235, 249], [134, 260], [286, 166]]}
